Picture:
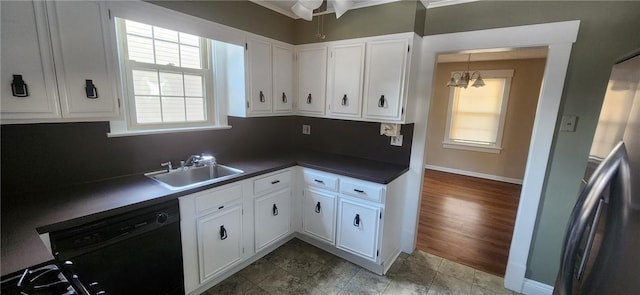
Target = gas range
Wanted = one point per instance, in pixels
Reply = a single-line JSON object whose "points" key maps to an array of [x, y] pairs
{"points": [[48, 279]]}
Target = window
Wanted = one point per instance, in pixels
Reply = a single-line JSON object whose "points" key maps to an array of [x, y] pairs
{"points": [[476, 115], [167, 77]]}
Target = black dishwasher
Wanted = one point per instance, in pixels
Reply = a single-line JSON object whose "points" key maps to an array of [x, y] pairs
{"points": [[138, 252]]}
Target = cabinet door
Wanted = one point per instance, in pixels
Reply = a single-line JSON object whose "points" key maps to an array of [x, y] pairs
{"points": [[26, 51], [384, 79], [312, 71], [272, 218], [358, 228], [345, 80], [219, 241], [260, 83], [282, 79], [319, 215], [83, 55]]}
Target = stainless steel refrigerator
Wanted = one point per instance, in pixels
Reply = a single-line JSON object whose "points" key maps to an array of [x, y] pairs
{"points": [[601, 253]]}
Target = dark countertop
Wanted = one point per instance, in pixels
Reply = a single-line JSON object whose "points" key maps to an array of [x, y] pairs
{"points": [[25, 217]]}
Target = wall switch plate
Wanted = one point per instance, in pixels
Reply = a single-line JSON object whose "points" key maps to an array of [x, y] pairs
{"points": [[396, 140], [568, 123], [306, 129]]}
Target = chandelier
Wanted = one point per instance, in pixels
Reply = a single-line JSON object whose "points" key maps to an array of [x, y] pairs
{"points": [[462, 79], [304, 8]]}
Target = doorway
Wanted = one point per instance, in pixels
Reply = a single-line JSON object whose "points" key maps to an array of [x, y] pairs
{"points": [[559, 37], [476, 152]]}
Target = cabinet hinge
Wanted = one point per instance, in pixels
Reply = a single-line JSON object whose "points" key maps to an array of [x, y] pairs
{"points": [[380, 215], [247, 104], [118, 102], [402, 111], [377, 252], [408, 48], [246, 46], [243, 250]]}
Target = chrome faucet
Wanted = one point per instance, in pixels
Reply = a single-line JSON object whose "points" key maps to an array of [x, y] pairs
{"points": [[198, 161], [191, 161], [168, 165]]}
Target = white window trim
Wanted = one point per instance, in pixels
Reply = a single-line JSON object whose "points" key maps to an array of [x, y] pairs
{"points": [[497, 148], [162, 17]]}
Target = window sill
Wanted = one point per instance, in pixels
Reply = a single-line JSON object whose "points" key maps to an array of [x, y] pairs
{"points": [[471, 147], [162, 131]]}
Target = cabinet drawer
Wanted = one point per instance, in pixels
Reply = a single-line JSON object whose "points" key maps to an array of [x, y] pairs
{"points": [[361, 189], [272, 182], [328, 182], [214, 198]]}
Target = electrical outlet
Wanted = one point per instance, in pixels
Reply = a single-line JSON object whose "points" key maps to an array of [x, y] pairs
{"points": [[396, 140], [568, 123], [306, 129]]}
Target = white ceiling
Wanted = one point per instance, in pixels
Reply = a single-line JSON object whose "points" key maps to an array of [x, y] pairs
{"points": [[284, 6]]}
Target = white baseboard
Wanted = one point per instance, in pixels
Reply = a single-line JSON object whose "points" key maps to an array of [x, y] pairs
{"points": [[474, 174], [532, 287]]}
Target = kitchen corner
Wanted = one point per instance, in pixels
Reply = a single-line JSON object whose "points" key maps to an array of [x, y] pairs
{"points": [[25, 213]]}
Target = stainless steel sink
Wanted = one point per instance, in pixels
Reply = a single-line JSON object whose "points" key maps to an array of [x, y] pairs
{"points": [[193, 176]]}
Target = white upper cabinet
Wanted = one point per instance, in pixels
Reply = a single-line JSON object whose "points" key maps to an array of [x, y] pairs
{"points": [[282, 78], [28, 77], [64, 54], [384, 88], [312, 71], [346, 67], [86, 78], [260, 85], [268, 77], [367, 79]]}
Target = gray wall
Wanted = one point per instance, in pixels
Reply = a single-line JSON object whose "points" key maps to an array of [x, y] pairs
{"points": [[243, 15], [608, 30]]}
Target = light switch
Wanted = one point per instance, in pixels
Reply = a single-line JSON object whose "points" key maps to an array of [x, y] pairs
{"points": [[568, 123]]}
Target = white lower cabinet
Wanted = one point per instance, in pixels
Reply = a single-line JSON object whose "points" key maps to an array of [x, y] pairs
{"points": [[272, 218], [212, 228], [319, 214], [226, 228], [219, 240], [358, 228]]}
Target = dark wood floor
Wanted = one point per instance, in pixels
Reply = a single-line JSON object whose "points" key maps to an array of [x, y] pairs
{"points": [[468, 220]]}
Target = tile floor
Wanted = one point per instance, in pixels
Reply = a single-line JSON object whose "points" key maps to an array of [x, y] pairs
{"points": [[300, 268]]}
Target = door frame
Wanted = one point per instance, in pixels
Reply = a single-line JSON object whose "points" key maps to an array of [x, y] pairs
{"points": [[559, 38]]}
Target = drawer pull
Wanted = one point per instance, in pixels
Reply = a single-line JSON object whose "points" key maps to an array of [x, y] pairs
{"points": [[381, 101], [18, 87], [90, 89], [356, 221], [358, 191], [318, 207], [223, 233], [275, 210], [318, 181], [275, 182]]}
